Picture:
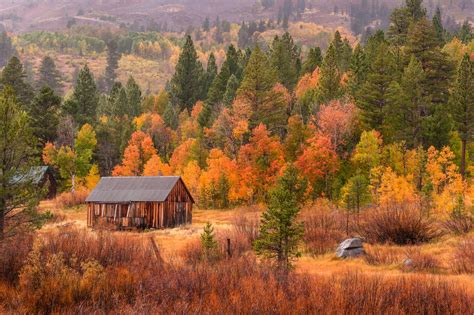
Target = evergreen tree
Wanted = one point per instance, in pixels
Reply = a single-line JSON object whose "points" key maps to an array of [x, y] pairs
{"points": [[211, 73], [358, 70], [465, 33], [83, 103], [18, 196], [170, 116], [330, 77], [345, 56], [406, 115], [6, 49], [280, 234], [422, 43], [134, 95], [462, 105], [121, 107], [208, 242], [14, 76], [438, 26], [313, 60], [268, 106], [415, 9], [402, 18], [186, 84], [231, 66], [113, 57], [49, 75], [231, 90], [44, 113], [372, 97], [285, 59]]}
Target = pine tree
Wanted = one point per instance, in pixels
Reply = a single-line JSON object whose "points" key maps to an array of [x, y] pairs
{"points": [[18, 198], [208, 242], [113, 57], [49, 75], [402, 18], [257, 90], [186, 84], [313, 60], [415, 9], [134, 95], [280, 234], [6, 49], [330, 77], [438, 26], [465, 33], [231, 90], [121, 106], [358, 70], [285, 58], [462, 105], [345, 56], [211, 73], [14, 76], [83, 103], [406, 115], [231, 66], [170, 116], [44, 113], [372, 97], [422, 43]]}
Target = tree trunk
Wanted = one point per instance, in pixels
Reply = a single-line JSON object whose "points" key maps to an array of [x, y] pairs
{"points": [[463, 158], [73, 183]]}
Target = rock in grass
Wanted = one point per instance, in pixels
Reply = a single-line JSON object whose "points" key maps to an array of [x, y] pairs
{"points": [[352, 247]]}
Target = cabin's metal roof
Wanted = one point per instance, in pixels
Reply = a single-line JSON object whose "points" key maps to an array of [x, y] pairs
{"points": [[133, 189], [34, 175]]}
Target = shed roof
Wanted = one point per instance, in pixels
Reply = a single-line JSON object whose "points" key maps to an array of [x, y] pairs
{"points": [[133, 189], [33, 175]]}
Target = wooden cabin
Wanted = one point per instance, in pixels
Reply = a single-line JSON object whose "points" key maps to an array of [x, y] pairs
{"points": [[40, 177], [140, 202]]}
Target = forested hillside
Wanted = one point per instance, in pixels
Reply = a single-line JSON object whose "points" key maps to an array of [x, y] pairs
{"points": [[398, 106]]}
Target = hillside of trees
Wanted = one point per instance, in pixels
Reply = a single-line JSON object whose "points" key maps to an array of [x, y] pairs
{"points": [[397, 107]]}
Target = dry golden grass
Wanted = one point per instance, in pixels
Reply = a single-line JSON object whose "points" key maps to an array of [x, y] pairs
{"points": [[388, 259]]}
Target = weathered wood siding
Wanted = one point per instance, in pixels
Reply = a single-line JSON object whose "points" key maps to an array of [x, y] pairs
{"points": [[174, 211]]}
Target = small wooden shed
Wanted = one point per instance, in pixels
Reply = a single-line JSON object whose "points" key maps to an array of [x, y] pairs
{"points": [[40, 177], [140, 202]]}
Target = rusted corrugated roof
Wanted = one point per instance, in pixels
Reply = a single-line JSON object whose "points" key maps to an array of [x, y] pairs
{"points": [[127, 189]]}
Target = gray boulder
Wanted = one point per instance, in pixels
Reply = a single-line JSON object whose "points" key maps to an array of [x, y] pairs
{"points": [[352, 247]]}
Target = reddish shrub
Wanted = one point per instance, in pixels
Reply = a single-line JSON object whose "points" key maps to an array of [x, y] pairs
{"points": [[13, 253], [463, 260], [69, 199], [398, 224], [325, 228]]}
